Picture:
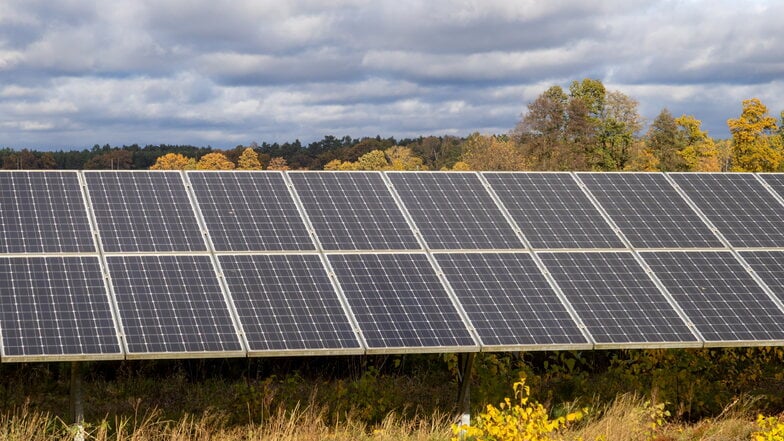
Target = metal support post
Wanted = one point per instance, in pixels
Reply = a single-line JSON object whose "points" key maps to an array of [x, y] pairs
{"points": [[77, 405], [465, 363]]}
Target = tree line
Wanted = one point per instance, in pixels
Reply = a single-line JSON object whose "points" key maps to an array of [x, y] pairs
{"points": [[585, 127]]}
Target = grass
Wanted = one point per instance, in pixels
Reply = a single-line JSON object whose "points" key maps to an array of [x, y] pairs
{"points": [[626, 419]]}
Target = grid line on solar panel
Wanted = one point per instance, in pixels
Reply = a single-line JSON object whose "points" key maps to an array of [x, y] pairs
{"points": [[353, 211], [399, 303], [649, 211], [718, 295], [56, 307], [143, 212], [172, 304], [43, 212], [552, 211], [454, 211], [617, 301], [768, 265], [509, 301], [738, 205], [249, 211], [287, 303]]}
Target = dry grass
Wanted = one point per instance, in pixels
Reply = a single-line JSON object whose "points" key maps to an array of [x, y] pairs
{"points": [[627, 418]]}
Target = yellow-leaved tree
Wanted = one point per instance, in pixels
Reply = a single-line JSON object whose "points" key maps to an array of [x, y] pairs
{"points": [[700, 152], [756, 148], [492, 153], [214, 161], [249, 160], [174, 161], [403, 158]]}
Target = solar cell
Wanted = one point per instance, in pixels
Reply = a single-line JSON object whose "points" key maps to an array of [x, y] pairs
{"points": [[353, 211], [399, 303], [287, 303], [55, 307], [508, 300], [43, 212], [249, 211], [738, 205], [649, 211], [143, 212], [170, 305], [454, 211], [552, 211], [769, 265], [617, 301], [718, 295]]}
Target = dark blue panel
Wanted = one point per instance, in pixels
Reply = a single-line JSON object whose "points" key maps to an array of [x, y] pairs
{"points": [[718, 295], [43, 212], [454, 211], [171, 304], [738, 205], [508, 300], [52, 306], [649, 211], [287, 302], [552, 211], [249, 211], [616, 299], [353, 211], [143, 211], [399, 302]]}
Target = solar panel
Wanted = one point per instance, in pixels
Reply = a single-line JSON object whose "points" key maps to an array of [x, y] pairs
{"points": [[508, 300], [287, 303], [143, 211], [738, 205], [43, 212], [718, 295], [55, 307], [649, 211], [399, 303], [249, 211], [353, 211], [769, 265], [552, 211], [616, 299], [454, 211], [775, 180], [170, 305]]}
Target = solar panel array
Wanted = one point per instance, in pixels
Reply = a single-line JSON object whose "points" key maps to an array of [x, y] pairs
{"points": [[112, 265]]}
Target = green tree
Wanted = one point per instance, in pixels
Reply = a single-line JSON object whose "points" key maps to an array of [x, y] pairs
{"points": [[665, 141], [755, 147]]}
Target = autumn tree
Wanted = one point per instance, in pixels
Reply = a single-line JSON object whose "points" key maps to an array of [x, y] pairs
{"points": [[437, 152], [214, 161], [28, 160], [174, 161], [277, 163], [700, 152], [249, 160], [755, 147], [115, 159], [403, 158], [482, 152]]}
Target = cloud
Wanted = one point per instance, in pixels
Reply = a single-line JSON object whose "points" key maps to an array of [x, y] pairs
{"points": [[223, 72]]}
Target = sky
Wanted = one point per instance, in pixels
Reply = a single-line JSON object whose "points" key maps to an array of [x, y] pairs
{"points": [[74, 73]]}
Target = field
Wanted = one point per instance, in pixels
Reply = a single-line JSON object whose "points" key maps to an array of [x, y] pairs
{"points": [[625, 395]]}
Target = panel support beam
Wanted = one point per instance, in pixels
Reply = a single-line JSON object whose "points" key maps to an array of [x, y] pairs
{"points": [[465, 363], [77, 403]]}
